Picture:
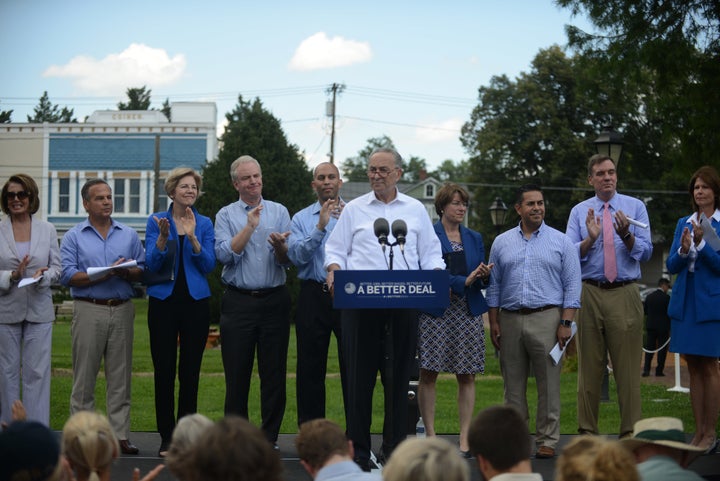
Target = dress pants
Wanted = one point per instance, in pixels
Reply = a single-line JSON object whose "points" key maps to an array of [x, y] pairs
{"points": [[315, 322], [103, 331], [247, 322], [610, 320], [363, 341], [25, 348], [168, 320], [655, 339]]}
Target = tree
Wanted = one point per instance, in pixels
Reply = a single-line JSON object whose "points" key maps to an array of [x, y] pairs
{"points": [[138, 99], [449, 171], [414, 169], [354, 169], [5, 116], [166, 110], [46, 111]]}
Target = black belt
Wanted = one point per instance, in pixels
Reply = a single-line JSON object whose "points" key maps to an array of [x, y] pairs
{"points": [[255, 292], [531, 310], [102, 302], [606, 284]]}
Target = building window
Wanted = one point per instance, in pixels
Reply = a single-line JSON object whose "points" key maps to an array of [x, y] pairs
{"points": [[119, 195], [126, 196], [134, 196], [429, 190], [64, 195], [162, 198]]}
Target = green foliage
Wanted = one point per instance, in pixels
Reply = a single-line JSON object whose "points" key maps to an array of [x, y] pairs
{"points": [[354, 169], [138, 99], [166, 110], [46, 111], [5, 116]]}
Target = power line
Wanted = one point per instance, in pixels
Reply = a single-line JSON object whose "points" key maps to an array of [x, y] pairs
{"points": [[401, 124]]}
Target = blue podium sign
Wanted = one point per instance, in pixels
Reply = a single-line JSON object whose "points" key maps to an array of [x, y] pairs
{"points": [[391, 289]]}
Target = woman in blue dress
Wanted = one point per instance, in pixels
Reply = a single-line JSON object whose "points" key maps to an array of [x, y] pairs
{"points": [[695, 303]]}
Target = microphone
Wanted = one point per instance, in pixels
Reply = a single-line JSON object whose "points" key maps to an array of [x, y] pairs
{"points": [[382, 229], [399, 231]]}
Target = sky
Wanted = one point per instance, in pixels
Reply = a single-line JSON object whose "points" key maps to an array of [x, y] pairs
{"points": [[411, 69]]}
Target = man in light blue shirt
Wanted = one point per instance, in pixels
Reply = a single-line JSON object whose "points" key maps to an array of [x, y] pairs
{"points": [[250, 243], [533, 294], [315, 318]]}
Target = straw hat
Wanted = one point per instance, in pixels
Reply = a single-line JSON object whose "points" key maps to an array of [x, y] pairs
{"points": [[663, 431]]}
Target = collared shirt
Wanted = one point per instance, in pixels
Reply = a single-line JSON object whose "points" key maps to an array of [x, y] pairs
{"points": [[628, 262], [530, 273], [255, 267], [345, 471], [692, 253], [306, 245], [353, 245], [83, 247], [517, 477], [665, 468]]}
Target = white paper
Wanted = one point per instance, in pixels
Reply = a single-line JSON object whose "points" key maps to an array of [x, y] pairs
{"points": [[556, 353], [97, 272], [28, 280], [637, 223], [709, 234]]}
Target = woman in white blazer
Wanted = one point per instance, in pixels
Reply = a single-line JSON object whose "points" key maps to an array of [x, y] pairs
{"points": [[29, 265]]}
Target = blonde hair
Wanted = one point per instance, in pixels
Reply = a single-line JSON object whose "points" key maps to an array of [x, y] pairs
{"points": [[175, 175], [186, 433], [594, 458], [89, 444], [426, 459]]}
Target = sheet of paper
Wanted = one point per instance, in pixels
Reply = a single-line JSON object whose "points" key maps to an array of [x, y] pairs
{"points": [[28, 280], [97, 272], [709, 234], [556, 353]]}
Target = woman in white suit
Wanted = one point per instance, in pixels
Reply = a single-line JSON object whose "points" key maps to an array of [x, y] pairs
{"points": [[28, 251]]}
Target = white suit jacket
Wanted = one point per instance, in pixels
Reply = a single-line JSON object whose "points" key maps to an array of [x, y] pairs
{"points": [[31, 303]]}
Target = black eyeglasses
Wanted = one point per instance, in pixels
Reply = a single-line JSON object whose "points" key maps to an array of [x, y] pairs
{"points": [[22, 195]]}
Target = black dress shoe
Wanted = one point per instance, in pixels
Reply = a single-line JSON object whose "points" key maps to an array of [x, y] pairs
{"points": [[645, 374], [127, 447]]}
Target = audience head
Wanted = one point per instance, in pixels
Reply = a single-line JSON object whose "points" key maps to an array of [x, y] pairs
{"points": [[426, 459], [594, 458], [29, 452], [318, 441], [234, 450], [500, 440], [661, 436], [89, 445], [184, 441]]}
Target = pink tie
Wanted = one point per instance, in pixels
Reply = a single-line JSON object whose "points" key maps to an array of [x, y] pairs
{"points": [[609, 245]]}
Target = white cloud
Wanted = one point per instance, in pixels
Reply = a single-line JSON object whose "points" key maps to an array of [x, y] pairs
{"points": [[440, 132], [320, 52], [135, 66]]}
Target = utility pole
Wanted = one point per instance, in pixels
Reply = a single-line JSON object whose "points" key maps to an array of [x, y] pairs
{"points": [[330, 112], [156, 174]]}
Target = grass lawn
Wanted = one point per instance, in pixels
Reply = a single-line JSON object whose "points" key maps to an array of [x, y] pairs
{"points": [[657, 401]]}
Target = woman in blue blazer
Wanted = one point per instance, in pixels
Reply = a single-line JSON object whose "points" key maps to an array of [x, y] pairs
{"points": [[695, 303], [178, 307], [453, 340]]}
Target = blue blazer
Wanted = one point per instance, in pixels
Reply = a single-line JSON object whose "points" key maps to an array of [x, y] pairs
{"points": [[474, 254], [197, 266], [706, 278]]}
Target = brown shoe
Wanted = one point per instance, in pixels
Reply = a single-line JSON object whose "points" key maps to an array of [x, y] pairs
{"points": [[127, 447], [545, 452]]}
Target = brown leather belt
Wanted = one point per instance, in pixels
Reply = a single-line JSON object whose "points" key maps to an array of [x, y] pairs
{"points": [[255, 292], [606, 284], [531, 310], [102, 302]]}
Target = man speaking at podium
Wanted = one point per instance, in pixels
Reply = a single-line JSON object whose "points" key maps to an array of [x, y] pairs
{"points": [[353, 245]]}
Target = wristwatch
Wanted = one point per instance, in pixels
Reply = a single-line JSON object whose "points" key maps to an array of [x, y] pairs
{"points": [[566, 323]]}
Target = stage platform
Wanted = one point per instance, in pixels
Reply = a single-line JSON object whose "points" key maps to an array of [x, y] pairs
{"points": [[707, 466]]}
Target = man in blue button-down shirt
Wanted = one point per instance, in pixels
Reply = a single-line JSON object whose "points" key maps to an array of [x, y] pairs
{"points": [[533, 295], [315, 319]]}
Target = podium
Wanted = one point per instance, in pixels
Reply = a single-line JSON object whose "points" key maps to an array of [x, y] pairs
{"points": [[381, 289]]}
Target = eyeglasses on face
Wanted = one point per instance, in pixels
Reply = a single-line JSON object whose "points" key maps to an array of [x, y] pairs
{"points": [[382, 171], [22, 195]]}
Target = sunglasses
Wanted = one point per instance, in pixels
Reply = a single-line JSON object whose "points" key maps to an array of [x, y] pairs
{"points": [[22, 195]]}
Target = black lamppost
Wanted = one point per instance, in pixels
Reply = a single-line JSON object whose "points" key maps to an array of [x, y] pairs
{"points": [[610, 143], [498, 209]]}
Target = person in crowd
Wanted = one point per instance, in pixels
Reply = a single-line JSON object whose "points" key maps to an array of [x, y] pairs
{"points": [[533, 295], [90, 447], [326, 453], [315, 318], [184, 442], [500, 441], [657, 327], [352, 245], [232, 449], [426, 459], [661, 451], [611, 319], [182, 241], [250, 243], [29, 252], [453, 340], [595, 458], [103, 316], [29, 451], [694, 304]]}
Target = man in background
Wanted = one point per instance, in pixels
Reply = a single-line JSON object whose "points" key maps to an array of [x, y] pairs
{"points": [[657, 327]]}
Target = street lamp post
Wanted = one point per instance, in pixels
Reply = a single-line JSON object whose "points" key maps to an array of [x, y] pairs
{"points": [[498, 209], [610, 143]]}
